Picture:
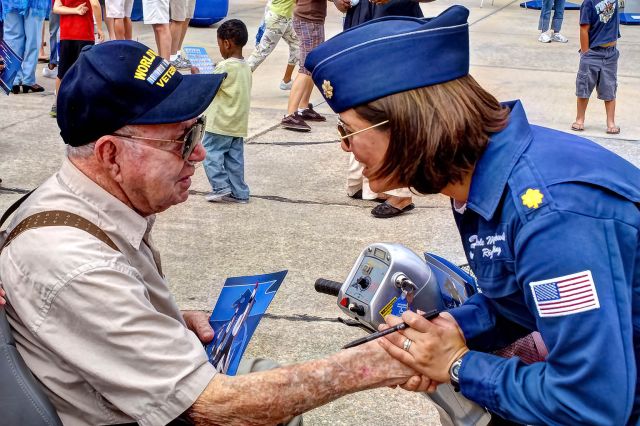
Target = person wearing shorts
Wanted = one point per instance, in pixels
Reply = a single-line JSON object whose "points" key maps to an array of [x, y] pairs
{"points": [[181, 12], [308, 23], [599, 32], [156, 14], [120, 12], [76, 31]]}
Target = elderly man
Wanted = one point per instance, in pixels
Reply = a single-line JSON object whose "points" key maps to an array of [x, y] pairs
{"points": [[88, 303]]}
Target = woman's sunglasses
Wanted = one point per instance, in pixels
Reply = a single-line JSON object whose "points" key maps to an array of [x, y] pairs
{"points": [[346, 136]]}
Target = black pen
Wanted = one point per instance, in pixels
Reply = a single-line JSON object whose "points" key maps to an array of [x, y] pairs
{"points": [[373, 336]]}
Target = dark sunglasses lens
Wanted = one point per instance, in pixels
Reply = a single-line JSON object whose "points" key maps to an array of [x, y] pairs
{"points": [[192, 139], [343, 133]]}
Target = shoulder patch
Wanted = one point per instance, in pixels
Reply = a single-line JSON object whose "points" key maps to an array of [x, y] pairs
{"points": [[566, 295]]}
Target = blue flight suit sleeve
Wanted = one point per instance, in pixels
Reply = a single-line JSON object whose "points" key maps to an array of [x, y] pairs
{"points": [[483, 327], [589, 376]]}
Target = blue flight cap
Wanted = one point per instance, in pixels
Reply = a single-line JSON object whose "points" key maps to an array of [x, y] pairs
{"points": [[390, 55], [124, 82]]}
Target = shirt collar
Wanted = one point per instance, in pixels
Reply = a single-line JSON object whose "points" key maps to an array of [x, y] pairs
{"points": [[496, 163], [112, 214]]}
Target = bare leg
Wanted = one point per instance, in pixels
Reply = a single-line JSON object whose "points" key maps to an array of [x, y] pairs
{"points": [[582, 110], [112, 32], [288, 72], [306, 95], [128, 29], [610, 108], [176, 32], [42, 55], [298, 91], [118, 28], [163, 39], [185, 27]]}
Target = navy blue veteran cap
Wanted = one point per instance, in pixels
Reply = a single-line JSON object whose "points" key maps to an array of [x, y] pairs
{"points": [[124, 82], [390, 55]]}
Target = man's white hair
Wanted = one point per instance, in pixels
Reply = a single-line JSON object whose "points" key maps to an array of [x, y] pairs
{"points": [[82, 151], [86, 151]]}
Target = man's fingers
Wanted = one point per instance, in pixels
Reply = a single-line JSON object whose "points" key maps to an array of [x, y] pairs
{"points": [[198, 322]]}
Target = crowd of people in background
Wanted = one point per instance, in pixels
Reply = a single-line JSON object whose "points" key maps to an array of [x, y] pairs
{"points": [[74, 24]]}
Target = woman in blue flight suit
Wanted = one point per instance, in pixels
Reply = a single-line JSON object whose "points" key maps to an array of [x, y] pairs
{"points": [[550, 224]]}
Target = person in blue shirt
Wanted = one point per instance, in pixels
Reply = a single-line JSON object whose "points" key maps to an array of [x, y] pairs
{"points": [[599, 32], [549, 222]]}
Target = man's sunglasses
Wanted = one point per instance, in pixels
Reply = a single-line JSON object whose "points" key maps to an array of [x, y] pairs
{"points": [[189, 141], [346, 136]]}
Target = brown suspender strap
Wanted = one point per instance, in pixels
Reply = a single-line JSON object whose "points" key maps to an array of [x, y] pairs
{"points": [[59, 218]]}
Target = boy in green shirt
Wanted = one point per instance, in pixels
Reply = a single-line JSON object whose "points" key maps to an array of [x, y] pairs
{"points": [[228, 119]]}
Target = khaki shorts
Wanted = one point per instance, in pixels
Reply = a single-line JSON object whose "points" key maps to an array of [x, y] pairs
{"points": [[181, 10], [155, 11], [119, 8]]}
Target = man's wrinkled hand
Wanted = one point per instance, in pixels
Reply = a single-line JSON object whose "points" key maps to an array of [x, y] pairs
{"points": [[198, 322], [2, 299]]}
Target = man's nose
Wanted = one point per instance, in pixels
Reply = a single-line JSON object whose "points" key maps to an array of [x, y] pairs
{"points": [[345, 147], [198, 154]]}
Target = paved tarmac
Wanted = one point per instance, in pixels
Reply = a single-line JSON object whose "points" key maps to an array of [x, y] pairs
{"points": [[299, 217]]}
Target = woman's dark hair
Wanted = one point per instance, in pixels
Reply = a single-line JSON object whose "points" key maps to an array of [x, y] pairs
{"points": [[234, 30], [437, 133]]}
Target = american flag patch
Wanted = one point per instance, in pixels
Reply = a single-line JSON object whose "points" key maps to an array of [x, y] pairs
{"points": [[565, 295]]}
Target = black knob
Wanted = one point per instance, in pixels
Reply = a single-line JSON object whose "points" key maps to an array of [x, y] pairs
{"points": [[363, 282], [357, 309]]}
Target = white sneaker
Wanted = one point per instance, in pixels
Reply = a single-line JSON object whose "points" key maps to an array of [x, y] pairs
{"points": [[46, 72], [213, 197], [286, 86], [559, 38], [544, 38]]}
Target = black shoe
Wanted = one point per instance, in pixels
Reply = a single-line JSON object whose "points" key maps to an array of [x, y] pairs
{"points": [[34, 88], [310, 115], [386, 210], [295, 122], [15, 89]]}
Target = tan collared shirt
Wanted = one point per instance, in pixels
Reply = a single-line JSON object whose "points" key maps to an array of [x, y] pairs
{"points": [[99, 328]]}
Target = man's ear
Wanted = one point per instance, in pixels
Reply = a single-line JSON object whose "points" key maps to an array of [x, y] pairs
{"points": [[108, 152]]}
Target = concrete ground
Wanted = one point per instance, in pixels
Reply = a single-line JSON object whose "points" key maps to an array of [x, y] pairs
{"points": [[299, 217]]}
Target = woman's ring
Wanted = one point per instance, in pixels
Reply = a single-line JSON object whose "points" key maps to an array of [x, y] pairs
{"points": [[407, 344]]}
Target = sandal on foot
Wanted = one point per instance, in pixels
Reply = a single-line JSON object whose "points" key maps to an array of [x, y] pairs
{"points": [[577, 127], [615, 130], [386, 210]]}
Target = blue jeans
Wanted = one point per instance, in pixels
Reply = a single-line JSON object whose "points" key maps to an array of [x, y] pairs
{"points": [[545, 15], [23, 34], [54, 37], [224, 164]]}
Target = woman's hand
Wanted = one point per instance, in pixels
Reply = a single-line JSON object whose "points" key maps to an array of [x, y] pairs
{"points": [[198, 322], [434, 346]]}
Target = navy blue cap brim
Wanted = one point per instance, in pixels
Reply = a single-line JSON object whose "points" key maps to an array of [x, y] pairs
{"points": [[190, 99]]}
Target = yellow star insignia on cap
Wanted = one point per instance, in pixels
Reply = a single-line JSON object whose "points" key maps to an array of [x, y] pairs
{"points": [[327, 89], [532, 198]]}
